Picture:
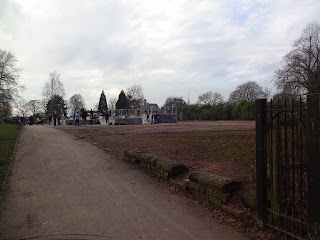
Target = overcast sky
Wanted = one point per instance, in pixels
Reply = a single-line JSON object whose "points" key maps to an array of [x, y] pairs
{"points": [[171, 48]]}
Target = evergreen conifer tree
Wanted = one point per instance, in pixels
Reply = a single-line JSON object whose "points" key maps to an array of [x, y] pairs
{"points": [[56, 104], [122, 102], [102, 107]]}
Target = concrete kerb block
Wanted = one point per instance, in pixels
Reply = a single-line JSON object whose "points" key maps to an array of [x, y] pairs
{"points": [[153, 161], [170, 166], [224, 197], [162, 167], [131, 156], [182, 186], [201, 189], [216, 189], [193, 185], [202, 196], [142, 157], [209, 191], [216, 182], [235, 212], [192, 191], [185, 185], [133, 160], [216, 202]]}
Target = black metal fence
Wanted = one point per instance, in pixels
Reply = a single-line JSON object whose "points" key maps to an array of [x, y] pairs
{"points": [[288, 166]]}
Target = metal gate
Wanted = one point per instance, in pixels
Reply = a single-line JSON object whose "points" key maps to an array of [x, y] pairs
{"points": [[288, 166]]}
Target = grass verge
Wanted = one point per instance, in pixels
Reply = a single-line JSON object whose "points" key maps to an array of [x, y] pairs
{"points": [[8, 138]]}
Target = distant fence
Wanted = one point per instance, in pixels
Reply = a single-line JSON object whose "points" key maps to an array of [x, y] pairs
{"points": [[138, 116]]}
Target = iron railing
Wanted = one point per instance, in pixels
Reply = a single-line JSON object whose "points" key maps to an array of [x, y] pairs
{"points": [[288, 166]]}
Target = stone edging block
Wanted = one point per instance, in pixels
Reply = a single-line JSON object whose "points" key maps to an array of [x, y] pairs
{"points": [[159, 166], [209, 187], [217, 183]]}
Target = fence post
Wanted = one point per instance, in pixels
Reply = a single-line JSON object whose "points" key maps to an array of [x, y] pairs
{"points": [[261, 158], [313, 165]]}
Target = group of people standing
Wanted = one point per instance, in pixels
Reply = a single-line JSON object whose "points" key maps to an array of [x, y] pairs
{"points": [[93, 118], [155, 118], [55, 117], [82, 114]]}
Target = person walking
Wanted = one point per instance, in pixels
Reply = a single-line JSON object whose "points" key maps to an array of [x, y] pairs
{"points": [[50, 119], [91, 116], [107, 117], [55, 119], [77, 118], [31, 120], [155, 118]]}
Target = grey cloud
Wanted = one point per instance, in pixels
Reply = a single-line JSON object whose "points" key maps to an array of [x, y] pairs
{"points": [[169, 47]]}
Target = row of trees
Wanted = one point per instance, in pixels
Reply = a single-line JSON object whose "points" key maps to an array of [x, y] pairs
{"points": [[53, 100], [244, 110], [299, 73], [211, 106], [133, 98]]}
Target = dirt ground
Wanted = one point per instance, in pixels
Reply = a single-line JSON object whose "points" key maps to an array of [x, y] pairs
{"points": [[62, 187], [222, 147]]}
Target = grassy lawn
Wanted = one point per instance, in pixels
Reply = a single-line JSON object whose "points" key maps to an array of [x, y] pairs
{"points": [[8, 138]]}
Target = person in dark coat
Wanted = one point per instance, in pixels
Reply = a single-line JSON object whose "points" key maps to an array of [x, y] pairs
{"points": [[55, 119], [50, 119], [30, 120], [155, 118], [107, 117]]}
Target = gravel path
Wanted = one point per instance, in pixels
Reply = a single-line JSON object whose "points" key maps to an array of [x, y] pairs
{"points": [[65, 188]]}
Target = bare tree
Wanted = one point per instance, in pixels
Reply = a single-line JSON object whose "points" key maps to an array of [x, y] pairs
{"points": [[53, 87], [135, 96], [22, 106], [9, 76], [35, 106], [76, 102], [5, 110], [53, 93], [9, 81], [249, 91], [112, 103], [210, 98], [300, 71]]}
